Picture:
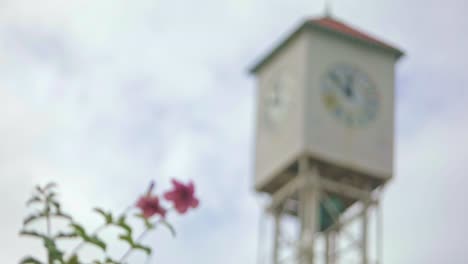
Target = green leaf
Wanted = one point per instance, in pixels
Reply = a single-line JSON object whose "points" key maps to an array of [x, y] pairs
{"points": [[56, 205], [169, 226], [30, 260], [73, 260], [49, 243], [141, 247], [94, 240], [32, 218], [62, 235], [123, 224], [34, 199], [33, 234], [79, 230], [127, 238], [107, 216], [55, 254], [50, 196], [111, 261], [53, 251], [39, 189], [108, 260], [148, 224], [62, 215]]}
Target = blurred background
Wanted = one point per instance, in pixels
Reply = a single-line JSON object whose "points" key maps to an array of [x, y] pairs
{"points": [[103, 96]]}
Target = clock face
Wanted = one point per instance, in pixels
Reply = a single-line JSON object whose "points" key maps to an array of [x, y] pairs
{"points": [[277, 98], [350, 95]]}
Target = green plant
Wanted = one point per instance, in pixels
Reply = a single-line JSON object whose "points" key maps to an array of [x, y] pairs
{"points": [[47, 209]]}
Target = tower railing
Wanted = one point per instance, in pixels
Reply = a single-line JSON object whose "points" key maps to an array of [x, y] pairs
{"points": [[332, 220]]}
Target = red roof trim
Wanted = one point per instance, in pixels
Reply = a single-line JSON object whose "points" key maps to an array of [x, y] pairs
{"points": [[335, 25]]}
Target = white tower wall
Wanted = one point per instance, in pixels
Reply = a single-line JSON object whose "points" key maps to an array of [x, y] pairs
{"points": [[367, 148], [277, 145]]}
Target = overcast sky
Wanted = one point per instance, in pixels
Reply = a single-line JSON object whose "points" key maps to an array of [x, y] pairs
{"points": [[103, 96]]}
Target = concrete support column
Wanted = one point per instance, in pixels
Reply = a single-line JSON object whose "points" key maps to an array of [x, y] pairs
{"points": [[276, 246], [330, 247], [308, 202], [365, 235], [327, 248], [379, 234]]}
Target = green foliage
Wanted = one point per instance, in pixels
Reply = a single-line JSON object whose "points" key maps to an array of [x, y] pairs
{"points": [[90, 239], [127, 236], [73, 260], [79, 230], [108, 260], [31, 218], [45, 197], [107, 216], [146, 249], [54, 254], [134, 244], [47, 208], [30, 260], [63, 235], [33, 200], [94, 240], [123, 224], [33, 234]]}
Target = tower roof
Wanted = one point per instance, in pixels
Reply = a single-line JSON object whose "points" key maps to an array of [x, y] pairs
{"points": [[334, 26], [342, 28]]}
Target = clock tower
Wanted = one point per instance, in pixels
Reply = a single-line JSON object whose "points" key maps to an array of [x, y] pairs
{"points": [[324, 137]]}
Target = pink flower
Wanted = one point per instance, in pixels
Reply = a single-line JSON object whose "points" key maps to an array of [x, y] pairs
{"points": [[149, 204], [182, 196]]}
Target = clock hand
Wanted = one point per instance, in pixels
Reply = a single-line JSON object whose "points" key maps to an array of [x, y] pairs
{"points": [[346, 86], [347, 90], [339, 83]]}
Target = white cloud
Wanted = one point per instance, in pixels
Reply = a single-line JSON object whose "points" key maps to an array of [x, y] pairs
{"points": [[103, 96]]}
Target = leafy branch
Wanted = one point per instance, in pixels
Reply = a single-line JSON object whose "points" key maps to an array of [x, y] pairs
{"points": [[47, 209]]}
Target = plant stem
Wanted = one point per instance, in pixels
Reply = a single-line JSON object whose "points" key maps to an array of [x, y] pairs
{"points": [[140, 237], [129, 251], [75, 250], [49, 259], [82, 243], [48, 225]]}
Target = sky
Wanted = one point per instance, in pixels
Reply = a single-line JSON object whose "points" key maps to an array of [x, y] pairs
{"points": [[104, 96]]}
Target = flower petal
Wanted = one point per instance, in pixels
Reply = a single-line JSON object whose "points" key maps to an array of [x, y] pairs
{"points": [[191, 188], [182, 196], [177, 184], [170, 195], [181, 208], [194, 203]]}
